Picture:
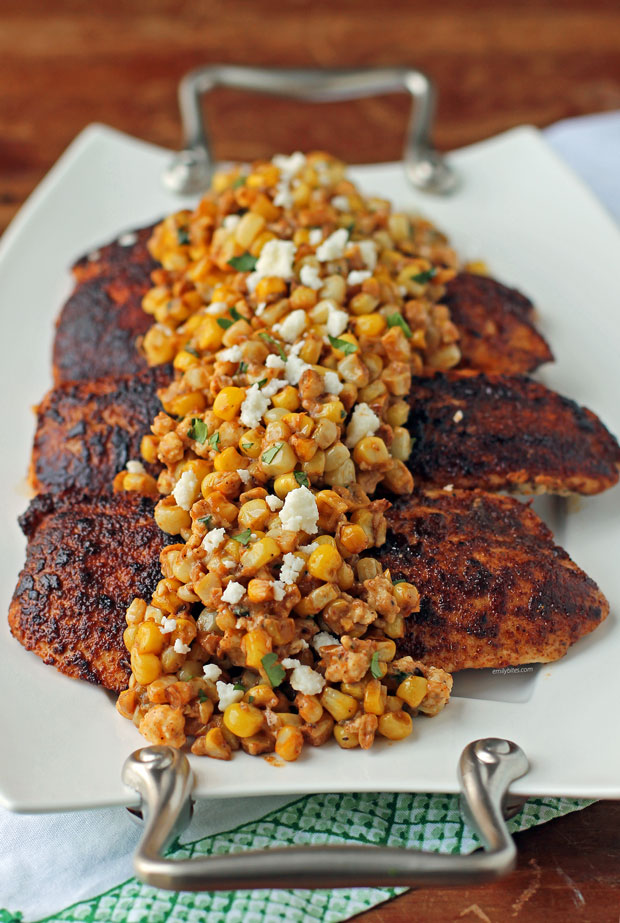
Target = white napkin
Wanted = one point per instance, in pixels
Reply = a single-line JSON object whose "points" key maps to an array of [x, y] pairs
{"points": [[50, 861]]}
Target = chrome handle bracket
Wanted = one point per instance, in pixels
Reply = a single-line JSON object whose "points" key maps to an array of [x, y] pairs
{"points": [[163, 779], [190, 170]]}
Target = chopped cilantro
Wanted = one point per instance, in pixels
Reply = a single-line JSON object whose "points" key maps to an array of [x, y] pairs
{"points": [[241, 613], [225, 322], [202, 696], [302, 478], [206, 520], [397, 320], [240, 181], [396, 580], [246, 445], [198, 430], [236, 314], [343, 345], [350, 228], [243, 367], [192, 351], [244, 263], [269, 339], [375, 669], [262, 382], [239, 687], [250, 699], [274, 670], [243, 537], [423, 277], [271, 453], [183, 236], [214, 441]]}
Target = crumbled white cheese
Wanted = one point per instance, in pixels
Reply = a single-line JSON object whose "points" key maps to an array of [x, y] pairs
{"points": [[274, 362], [323, 639], [357, 276], [332, 383], [227, 694], [185, 490], [211, 671], [229, 564], [230, 222], [245, 475], [274, 503], [303, 679], [295, 367], [272, 387], [128, 240], [291, 568], [180, 647], [302, 644], [283, 197], [300, 512], [135, 467], [216, 307], [308, 549], [310, 276], [402, 290], [279, 590], [333, 247], [289, 164], [254, 406], [458, 416], [233, 354], [252, 281], [167, 626], [213, 539], [260, 308], [341, 202], [337, 320], [95, 255], [368, 250], [315, 237], [292, 326], [449, 487], [364, 422], [276, 259], [233, 593]]}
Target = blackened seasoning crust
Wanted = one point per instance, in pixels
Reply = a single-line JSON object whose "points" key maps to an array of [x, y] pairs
{"points": [[87, 557]]}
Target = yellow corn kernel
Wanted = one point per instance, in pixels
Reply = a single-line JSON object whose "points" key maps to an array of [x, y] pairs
{"points": [[250, 443], [204, 587], [260, 554], [375, 697], [209, 334], [127, 703], [262, 205], [268, 287], [349, 338], [412, 690], [363, 303], [347, 738], [304, 298], [149, 639], [229, 460], [213, 744], [331, 410], [407, 597], [227, 403], [370, 452], [395, 628], [184, 360], [398, 413], [309, 707], [242, 719], [289, 743], [353, 538], [145, 667], [370, 325], [386, 651], [250, 225], [393, 703], [288, 718], [357, 690], [299, 423], [198, 466], [283, 461], [288, 398], [135, 611], [171, 518], [158, 346], [262, 695], [395, 725], [254, 515], [315, 467], [401, 444], [325, 540], [129, 636], [339, 705], [255, 645], [186, 403], [324, 562], [148, 449], [478, 267]]}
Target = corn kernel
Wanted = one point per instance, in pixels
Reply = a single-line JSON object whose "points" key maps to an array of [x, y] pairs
{"points": [[149, 639], [213, 744], [262, 695], [227, 403], [324, 562], [412, 690], [353, 538], [145, 667], [289, 743], [186, 403], [375, 697], [288, 398], [255, 644], [339, 705], [395, 725], [347, 738], [283, 461], [254, 515], [209, 335], [242, 719], [229, 460], [171, 518], [370, 325]]}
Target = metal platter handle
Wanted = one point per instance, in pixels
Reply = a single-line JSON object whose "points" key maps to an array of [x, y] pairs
{"points": [[190, 171], [164, 781]]}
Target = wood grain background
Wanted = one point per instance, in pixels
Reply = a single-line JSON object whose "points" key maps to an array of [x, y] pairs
{"points": [[66, 63]]}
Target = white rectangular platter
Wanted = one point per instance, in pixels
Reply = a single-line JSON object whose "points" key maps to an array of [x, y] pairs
{"points": [[526, 214]]}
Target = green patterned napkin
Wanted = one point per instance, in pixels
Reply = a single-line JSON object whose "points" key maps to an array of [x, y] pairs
{"points": [[431, 822]]}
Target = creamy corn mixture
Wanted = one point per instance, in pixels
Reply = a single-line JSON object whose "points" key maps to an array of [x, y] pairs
{"points": [[295, 312]]}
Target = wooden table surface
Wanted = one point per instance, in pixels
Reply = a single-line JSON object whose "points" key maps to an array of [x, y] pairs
{"points": [[497, 64]]}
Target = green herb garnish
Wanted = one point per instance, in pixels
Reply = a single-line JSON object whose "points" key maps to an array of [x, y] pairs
{"points": [[423, 277], [302, 478], [240, 181], [375, 669], [396, 580], [225, 322], [250, 699], [269, 339], [246, 445], [271, 453], [206, 520], [243, 367], [192, 351], [214, 441], [343, 345], [236, 314], [397, 320], [183, 236], [244, 263], [274, 670], [261, 383], [239, 687], [202, 696], [198, 430], [243, 537]]}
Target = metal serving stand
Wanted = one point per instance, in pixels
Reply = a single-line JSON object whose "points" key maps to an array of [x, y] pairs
{"points": [[162, 776]]}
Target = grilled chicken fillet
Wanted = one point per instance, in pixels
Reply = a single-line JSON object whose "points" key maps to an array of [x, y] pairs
{"points": [[496, 327], [87, 558], [505, 433], [88, 430], [494, 588]]}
